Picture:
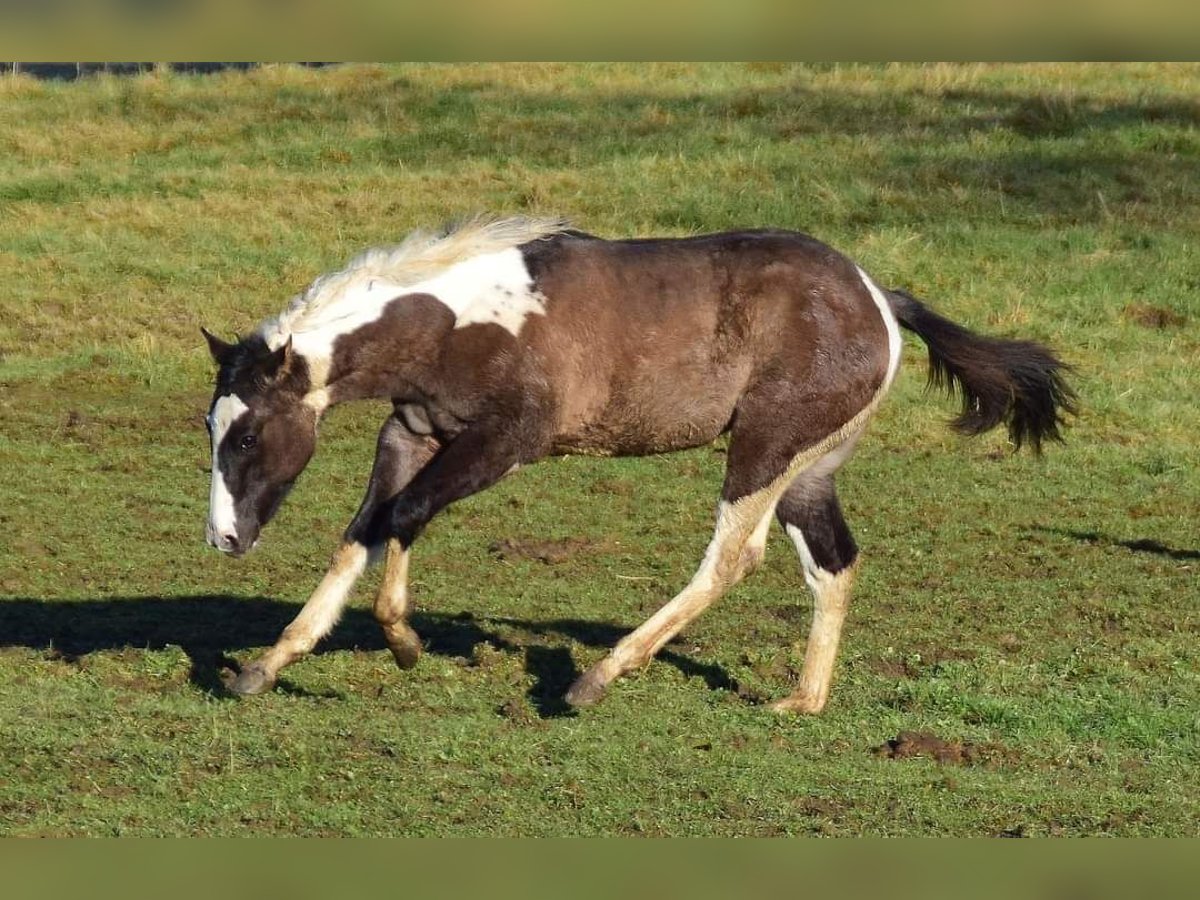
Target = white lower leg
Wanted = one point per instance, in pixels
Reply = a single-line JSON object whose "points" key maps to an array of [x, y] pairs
{"points": [[756, 545], [831, 600], [321, 612], [391, 607], [722, 566]]}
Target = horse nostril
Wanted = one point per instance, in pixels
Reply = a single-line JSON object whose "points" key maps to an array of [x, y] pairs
{"points": [[230, 541]]}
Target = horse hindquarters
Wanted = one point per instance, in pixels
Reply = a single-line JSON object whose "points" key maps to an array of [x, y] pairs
{"points": [[800, 423]]}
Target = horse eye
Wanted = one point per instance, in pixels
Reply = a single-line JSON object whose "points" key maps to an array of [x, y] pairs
{"points": [[248, 442]]}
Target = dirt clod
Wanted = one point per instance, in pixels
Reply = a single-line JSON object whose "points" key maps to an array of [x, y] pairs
{"points": [[486, 656], [518, 713], [1150, 316], [914, 744], [548, 552], [751, 695], [921, 661]]}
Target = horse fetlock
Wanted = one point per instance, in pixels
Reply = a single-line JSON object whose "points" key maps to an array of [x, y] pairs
{"points": [[252, 679], [802, 701]]}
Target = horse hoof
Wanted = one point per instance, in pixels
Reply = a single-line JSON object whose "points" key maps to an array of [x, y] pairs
{"points": [[404, 643], [804, 705], [588, 690], [406, 653], [253, 679]]}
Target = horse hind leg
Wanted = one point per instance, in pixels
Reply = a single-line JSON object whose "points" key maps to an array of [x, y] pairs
{"points": [[812, 517], [770, 446], [731, 554], [755, 548], [752, 490]]}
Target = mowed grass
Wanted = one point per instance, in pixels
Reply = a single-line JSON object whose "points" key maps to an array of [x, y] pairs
{"points": [[1039, 616]]}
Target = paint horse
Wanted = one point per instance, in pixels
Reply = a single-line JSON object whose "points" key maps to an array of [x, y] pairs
{"points": [[507, 340]]}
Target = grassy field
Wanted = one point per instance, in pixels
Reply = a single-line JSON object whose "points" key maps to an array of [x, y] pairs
{"points": [[1038, 618]]}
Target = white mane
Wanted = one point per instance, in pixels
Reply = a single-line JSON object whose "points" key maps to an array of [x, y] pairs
{"points": [[335, 296]]}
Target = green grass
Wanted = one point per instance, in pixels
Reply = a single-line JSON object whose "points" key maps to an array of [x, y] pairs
{"points": [[1045, 609]]}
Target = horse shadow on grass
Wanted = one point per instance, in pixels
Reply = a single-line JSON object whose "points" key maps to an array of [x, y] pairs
{"points": [[1138, 545], [209, 627]]}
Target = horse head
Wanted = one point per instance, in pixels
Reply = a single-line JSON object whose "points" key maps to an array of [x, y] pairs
{"points": [[262, 434]]}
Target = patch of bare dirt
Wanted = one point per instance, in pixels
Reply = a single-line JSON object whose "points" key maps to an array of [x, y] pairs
{"points": [[821, 807], [927, 745], [920, 661], [519, 713], [1009, 642], [548, 552], [618, 487], [792, 613], [892, 667], [1149, 316], [77, 421]]}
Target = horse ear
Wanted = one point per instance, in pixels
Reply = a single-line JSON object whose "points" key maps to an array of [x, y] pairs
{"points": [[218, 348], [278, 360]]}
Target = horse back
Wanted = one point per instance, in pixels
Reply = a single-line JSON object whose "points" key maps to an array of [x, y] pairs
{"points": [[651, 344]]}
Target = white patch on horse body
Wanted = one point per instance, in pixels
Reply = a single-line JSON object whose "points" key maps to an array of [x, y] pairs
{"points": [[477, 271], [357, 305], [889, 320], [222, 519], [495, 288]]}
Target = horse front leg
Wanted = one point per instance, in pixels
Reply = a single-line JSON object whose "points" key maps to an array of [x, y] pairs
{"points": [[477, 458], [391, 608], [473, 461], [399, 455], [315, 620]]}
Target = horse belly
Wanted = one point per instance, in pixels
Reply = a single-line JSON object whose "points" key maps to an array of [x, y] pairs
{"points": [[656, 414]]}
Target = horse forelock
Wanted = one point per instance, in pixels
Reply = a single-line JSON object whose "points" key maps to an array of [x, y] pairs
{"points": [[336, 296], [252, 372], [241, 371]]}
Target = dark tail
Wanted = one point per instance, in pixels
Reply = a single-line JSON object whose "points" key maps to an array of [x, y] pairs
{"points": [[1020, 383]]}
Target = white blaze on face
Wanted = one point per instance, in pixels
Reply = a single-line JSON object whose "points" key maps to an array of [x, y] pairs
{"points": [[222, 521]]}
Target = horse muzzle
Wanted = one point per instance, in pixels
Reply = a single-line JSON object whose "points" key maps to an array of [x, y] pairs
{"points": [[227, 541]]}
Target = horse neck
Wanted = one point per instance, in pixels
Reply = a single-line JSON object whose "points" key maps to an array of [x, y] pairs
{"points": [[373, 366]]}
